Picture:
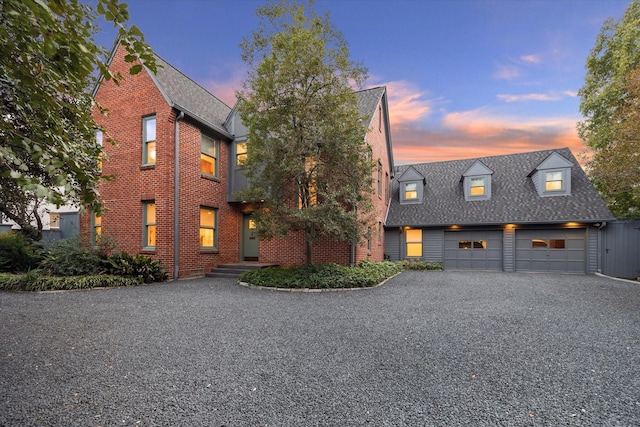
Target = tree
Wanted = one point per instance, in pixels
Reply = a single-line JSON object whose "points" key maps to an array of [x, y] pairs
{"points": [[49, 63], [308, 162], [609, 103]]}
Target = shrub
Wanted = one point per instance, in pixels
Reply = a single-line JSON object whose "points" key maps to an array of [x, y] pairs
{"points": [[141, 267], [72, 257], [421, 265], [35, 282], [16, 255], [323, 276]]}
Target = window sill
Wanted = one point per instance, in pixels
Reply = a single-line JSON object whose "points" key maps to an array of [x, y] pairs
{"points": [[147, 167], [209, 250], [148, 251], [209, 177]]}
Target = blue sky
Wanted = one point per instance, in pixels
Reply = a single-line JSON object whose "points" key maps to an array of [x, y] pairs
{"points": [[465, 78]]}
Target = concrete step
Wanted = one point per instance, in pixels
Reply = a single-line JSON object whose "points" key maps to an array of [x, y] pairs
{"points": [[235, 270]]}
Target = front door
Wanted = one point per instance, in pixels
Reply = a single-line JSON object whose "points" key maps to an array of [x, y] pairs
{"points": [[249, 239]]}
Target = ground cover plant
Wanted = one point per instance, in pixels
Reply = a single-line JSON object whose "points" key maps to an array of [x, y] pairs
{"points": [[332, 276], [70, 264]]}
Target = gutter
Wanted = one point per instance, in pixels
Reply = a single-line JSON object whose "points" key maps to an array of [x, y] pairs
{"points": [[176, 197]]}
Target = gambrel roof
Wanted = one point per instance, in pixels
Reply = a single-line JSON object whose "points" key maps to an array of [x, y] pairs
{"points": [[514, 198]]}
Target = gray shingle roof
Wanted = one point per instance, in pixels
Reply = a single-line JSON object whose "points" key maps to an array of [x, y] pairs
{"points": [[368, 100], [188, 96], [514, 198]]}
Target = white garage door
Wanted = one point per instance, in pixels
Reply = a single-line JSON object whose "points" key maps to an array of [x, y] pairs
{"points": [[473, 250], [551, 250]]}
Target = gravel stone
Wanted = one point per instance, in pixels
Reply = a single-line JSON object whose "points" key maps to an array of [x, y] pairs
{"points": [[426, 348]]}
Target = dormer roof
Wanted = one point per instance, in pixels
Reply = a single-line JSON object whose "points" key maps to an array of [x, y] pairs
{"points": [[477, 168]]}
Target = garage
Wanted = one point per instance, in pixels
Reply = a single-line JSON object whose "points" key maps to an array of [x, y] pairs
{"points": [[473, 250], [551, 250]]}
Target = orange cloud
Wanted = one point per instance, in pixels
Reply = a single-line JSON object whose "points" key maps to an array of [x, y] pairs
{"points": [[406, 102], [225, 89], [477, 133]]}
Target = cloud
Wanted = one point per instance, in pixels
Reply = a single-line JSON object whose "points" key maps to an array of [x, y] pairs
{"points": [[530, 97], [406, 102], [481, 132], [531, 59], [224, 88], [507, 72]]}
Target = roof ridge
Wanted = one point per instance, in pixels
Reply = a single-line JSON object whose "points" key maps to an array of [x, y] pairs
{"points": [[549, 150]]}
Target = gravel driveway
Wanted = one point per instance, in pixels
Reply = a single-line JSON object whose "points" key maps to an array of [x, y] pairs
{"points": [[426, 348]]}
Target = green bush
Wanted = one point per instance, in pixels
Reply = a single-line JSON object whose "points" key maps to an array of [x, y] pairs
{"points": [[72, 257], [421, 265], [143, 268], [323, 276], [35, 282], [16, 255]]}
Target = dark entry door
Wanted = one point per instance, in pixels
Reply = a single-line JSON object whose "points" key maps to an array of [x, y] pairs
{"points": [[249, 239]]}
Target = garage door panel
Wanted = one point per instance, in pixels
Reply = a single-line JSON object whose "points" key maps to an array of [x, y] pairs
{"points": [[481, 250], [551, 250]]}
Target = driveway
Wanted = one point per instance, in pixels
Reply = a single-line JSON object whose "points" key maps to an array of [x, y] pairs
{"points": [[426, 348]]}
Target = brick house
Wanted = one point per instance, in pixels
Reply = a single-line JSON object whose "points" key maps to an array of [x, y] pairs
{"points": [[174, 202]]}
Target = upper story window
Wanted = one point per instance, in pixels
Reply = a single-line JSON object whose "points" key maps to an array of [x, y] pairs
{"points": [[552, 177], [553, 181], [99, 142], [379, 178], [477, 186], [149, 140], [411, 186], [208, 155], [410, 190], [477, 182], [241, 153], [96, 229]]}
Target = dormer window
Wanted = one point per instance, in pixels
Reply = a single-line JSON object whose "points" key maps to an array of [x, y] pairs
{"points": [[552, 177], [410, 190], [412, 185], [553, 181], [476, 182]]}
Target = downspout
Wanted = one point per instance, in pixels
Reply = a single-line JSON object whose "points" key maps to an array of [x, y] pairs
{"points": [[602, 251], [176, 197]]}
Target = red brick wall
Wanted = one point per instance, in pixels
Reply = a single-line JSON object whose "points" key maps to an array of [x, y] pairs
{"points": [[127, 103]]}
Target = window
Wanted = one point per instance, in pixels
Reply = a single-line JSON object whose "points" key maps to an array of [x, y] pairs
{"points": [[149, 140], [369, 239], [208, 156], [386, 186], [411, 191], [149, 224], [208, 223], [551, 244], [477, 186], [538, 243], [414, 242], [96, 229], [54, 220], [99, 142], [307, 190], [379, 232], [241, 153], [379, 178], [556, 243], [472, 244], [553, 181], [379, 118]]}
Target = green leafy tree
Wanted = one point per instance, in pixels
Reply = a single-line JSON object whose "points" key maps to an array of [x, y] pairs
{"points": [[609, 103], [308, 162], [49, 63]]}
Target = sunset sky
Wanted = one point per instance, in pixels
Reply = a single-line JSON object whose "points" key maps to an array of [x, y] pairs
{"points": [[465, 78]]}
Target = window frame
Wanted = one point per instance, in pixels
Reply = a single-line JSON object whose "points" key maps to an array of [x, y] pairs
{"points": [[99, 140], [55, 221], [405, 191], [482, 179], [416, 232], [214, 228], [146, 155], [562, 181], [379, 178], [241, 154], [148, 225], [96, 229], [215, 156]]}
